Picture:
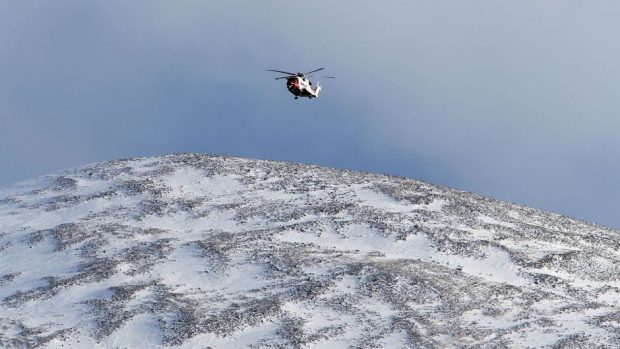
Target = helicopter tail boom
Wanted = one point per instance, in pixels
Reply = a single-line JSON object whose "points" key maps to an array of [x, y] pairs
{"points": [[318, 88]]}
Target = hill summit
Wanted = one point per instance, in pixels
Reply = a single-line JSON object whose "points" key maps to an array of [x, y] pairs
{"points": [[200, 251]]}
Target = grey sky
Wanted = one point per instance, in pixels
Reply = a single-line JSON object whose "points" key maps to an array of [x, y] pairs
{"points": [[515, 100]]}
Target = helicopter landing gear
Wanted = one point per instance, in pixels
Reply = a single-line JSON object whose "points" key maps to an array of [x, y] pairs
{"points": [[296, 97]]}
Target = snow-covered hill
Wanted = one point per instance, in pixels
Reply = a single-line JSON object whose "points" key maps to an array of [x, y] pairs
{"points": [[203, 251]]}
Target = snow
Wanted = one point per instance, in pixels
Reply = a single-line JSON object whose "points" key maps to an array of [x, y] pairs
{"points": [[491, 220], [193, 251], [372, 198], [194, 183], [496, 266], [145, 325]]}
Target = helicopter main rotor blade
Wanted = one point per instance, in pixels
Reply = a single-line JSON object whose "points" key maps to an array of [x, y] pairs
{"points": [[280, 71], [314, 71], [284, 77], [323, 76]]}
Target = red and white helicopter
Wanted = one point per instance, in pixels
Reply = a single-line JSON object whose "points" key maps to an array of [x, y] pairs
{"points": [[299, 85]]}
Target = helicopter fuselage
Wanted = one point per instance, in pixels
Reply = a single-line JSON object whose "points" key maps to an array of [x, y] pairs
{"points": [[302, 87]]}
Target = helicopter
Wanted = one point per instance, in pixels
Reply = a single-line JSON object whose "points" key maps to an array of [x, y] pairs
{"points": [[299, 84]]}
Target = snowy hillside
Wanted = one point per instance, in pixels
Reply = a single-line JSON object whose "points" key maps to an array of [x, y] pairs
{"points": [[199, 251]]}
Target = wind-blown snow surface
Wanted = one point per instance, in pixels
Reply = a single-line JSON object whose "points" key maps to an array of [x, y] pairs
{"points": [[200, 251]]}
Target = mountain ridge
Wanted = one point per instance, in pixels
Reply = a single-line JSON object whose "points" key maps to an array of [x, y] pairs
{"points": [[192, 250]]}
